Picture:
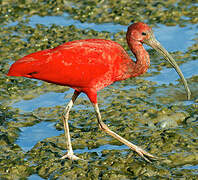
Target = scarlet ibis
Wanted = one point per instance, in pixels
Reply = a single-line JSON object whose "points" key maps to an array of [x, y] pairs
{"points": [[91, 64]]}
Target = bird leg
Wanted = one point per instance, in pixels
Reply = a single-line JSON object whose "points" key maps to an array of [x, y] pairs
{"points": [[65, 117], [105, 128]]}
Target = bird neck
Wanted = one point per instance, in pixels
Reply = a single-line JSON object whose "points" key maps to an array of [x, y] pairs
{"points": [[142, 62]]}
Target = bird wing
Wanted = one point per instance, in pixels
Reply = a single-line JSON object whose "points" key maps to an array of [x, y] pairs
{"points": [[82, 64]]}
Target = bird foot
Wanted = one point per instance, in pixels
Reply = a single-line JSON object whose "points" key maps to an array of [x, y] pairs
{"points": [[144, 154], [71, 157]]}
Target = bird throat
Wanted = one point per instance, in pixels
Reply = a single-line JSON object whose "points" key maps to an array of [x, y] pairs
{"points": [[142, 62]]}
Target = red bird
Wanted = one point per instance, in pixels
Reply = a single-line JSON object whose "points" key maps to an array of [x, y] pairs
{"points": [[90, 65]]}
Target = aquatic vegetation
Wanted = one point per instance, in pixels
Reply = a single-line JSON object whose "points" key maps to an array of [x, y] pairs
{"points": [[146, 110]]}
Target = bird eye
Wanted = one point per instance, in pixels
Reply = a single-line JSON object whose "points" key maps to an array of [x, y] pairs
{"points": [[143, 33]]}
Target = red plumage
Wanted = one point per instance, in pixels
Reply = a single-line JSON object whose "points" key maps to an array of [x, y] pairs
{"points": [[85, 65]]}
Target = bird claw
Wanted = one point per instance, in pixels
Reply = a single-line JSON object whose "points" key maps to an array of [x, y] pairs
{"points": [[71, 157], [144, 153]]}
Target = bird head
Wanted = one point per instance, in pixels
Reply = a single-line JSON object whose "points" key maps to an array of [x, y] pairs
{"points": [[142, 33]]}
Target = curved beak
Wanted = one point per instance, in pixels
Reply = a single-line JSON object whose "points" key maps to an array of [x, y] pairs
{"points": [[159, 48]]}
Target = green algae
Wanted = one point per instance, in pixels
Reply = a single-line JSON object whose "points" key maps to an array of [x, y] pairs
{"points": [[164, 12], [145, 113]]}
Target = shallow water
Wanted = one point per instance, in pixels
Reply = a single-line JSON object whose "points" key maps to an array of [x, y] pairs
{"points": [[44, 100], [179, 38], [169, 75], [133, 108], [173, 38], [29, 136]]}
